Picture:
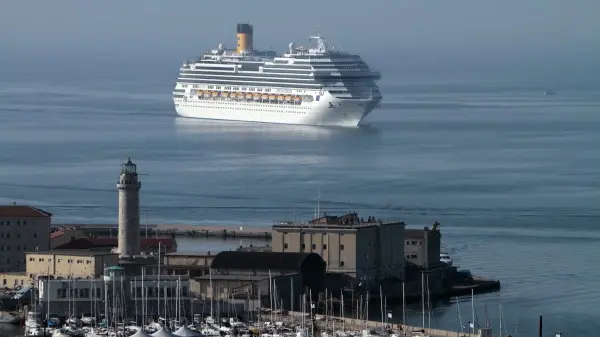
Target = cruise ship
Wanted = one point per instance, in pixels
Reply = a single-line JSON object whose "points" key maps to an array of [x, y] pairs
{"points": [[316, 85]]}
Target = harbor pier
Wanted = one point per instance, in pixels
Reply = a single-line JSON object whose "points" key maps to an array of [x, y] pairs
{"points": [[327, 323], [154, 230]]}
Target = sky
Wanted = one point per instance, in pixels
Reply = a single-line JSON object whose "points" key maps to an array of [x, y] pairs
{"points": [[407, 31]]}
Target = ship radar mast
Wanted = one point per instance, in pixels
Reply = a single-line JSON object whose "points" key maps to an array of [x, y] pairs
{"points": [[321, 45]]}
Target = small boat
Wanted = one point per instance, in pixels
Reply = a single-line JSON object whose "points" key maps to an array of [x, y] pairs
{"points": [[288, 98], [207, 94], [233, 95], [225, 94], [272, 97], [264, 97], [88, 319], [248, 96], [550, 92], [280, 97], [445, 258], [215, 94]]}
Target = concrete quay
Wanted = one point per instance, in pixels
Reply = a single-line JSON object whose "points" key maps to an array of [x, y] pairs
{"points": [[177, 230], [353, 324]]}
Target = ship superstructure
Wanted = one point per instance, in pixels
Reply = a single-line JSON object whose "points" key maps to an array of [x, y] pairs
{"points": [[308, 86]]}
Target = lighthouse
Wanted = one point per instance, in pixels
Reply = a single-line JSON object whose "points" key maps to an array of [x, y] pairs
{"points": [[129, 211]]}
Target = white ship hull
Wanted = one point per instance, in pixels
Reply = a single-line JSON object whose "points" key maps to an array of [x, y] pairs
{"points": [[328, 111]]}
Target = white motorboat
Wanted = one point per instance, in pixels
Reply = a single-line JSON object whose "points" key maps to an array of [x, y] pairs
{"points": [[445, 258]]}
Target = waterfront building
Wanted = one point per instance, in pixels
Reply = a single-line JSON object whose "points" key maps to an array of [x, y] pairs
{"points": [[423, 246], [116, 293], [22, 229], [365, 250]]}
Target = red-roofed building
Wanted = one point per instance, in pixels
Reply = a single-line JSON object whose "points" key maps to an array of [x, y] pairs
{"points": [[147, 245], [22, 229]]}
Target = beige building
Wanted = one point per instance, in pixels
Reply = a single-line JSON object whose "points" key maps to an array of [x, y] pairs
{"points": [[422, 246], [191, 264], [82, 264], [22, 229], [364, 249]]}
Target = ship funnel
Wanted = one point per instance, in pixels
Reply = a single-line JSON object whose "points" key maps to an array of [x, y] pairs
{"points": [[244, 37]]}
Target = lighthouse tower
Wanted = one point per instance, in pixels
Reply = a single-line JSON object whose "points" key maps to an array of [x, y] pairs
{"points": [[129, 211]]}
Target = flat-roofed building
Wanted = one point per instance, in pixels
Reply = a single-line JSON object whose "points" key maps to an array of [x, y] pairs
{"points": [[79, 264], [423, 246], [186, 263], [22, 229], [348, 244]]}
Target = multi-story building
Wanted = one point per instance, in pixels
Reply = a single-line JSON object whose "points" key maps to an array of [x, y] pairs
{"points": [[79, 264], [116, 293], [422, 246], [370, 249], [22, 229]]}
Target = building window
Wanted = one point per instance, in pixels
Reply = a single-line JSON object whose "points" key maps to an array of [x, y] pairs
{"points": [[285, 246], [18, 235], [324, 246], [18, 222], [341, 263], [413, 256], [314, 246], [24, 222], [303, 246], [341, 247], [34, 235], [408, 256], [407, 242], [413, 242], [8, 235]]}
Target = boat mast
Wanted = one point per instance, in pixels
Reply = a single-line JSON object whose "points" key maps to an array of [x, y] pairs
{"points": [[423, 299], [473, 311]]}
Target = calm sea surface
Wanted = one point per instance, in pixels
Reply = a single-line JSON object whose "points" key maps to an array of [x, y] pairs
{"points": [[511, 174]]}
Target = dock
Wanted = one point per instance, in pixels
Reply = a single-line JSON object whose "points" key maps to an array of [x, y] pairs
{"points": [[173, 230], [353, 324]]}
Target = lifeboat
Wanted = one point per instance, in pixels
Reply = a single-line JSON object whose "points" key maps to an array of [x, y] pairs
{"points": [[264, 97], [272, 97], [248, 96], [207, 94], [288, 98], [233, 95], [199, 92], [297, 99], [280, 97], [225, 94], [215, 93]]}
